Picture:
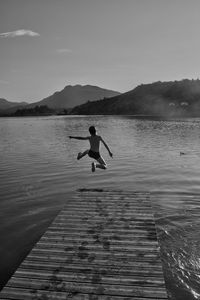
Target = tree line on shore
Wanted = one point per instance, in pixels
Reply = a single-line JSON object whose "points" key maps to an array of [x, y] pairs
{"points": [[38, 110]]}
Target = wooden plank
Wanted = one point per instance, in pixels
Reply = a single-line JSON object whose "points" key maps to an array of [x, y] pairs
{"points": [[42, 264], [115, 232], [119, 236], [111, 269], [102, 245], [45, 274], [120, 258], [126, 230], [60, 240], [96, 260], [94, 287], [19, 294]]}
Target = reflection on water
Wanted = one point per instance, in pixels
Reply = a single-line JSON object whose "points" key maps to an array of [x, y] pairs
{"points": [[39, 171], [177, 220]]}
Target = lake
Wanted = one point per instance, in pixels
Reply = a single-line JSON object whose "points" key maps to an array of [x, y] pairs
{"points": [[39, 172]]}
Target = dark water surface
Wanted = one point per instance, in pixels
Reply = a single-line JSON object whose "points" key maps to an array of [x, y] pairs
{"points": [[39, 172]]}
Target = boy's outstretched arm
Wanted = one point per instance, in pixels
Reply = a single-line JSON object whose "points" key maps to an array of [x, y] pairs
{"points": [[78, 137], [106, 146]]}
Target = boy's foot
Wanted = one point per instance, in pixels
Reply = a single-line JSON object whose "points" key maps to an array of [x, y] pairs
{"points": [[93, 167], [79, 155]]}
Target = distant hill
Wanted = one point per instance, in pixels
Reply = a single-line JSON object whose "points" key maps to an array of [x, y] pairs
{"points": [[174, 98], [5, 104], [72, 96]]}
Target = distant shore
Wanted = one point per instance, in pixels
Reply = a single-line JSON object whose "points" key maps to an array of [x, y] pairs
{"points": [[159, 117]]}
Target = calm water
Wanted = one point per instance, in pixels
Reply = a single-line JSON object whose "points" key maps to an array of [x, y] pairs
{"points": [[39, 172]]}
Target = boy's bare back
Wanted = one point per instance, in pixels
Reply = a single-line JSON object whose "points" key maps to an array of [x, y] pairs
{"points": [[95, 142]]}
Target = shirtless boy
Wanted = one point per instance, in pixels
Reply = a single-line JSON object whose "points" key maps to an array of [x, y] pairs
{"points": [[93, 152]]}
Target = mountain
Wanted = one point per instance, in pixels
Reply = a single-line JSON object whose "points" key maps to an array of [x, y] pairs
{"points": [[4, 104], [72, 96], [173, 98]]}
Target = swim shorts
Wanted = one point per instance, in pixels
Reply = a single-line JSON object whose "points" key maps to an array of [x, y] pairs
{"points": [[94, 154]]}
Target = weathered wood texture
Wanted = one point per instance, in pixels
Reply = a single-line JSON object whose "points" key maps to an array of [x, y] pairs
{"points": [[102, 245]]}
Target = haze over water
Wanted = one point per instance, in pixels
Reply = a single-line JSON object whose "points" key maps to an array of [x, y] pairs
{"points": [[39, 172]]}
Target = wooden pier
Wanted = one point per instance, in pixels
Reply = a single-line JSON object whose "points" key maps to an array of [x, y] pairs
{"points": [[102, 246]]}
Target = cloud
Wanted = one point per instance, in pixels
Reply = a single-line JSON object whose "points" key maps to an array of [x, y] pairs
{"points": [[20, 32], [63, 50]]}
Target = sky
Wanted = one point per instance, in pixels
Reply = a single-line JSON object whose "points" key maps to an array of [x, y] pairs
{"points": [[46, 45]]}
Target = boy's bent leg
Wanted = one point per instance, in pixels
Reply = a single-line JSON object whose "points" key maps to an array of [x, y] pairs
{"points": [[101, 163], [93, 167], [80, 155]]}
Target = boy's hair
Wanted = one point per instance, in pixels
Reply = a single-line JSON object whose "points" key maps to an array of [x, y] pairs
{"points": [[92, 130]]}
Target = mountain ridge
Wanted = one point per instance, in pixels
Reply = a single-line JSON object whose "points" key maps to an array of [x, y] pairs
{"points": [[71, 96], [169, 98], [5, 104]]}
